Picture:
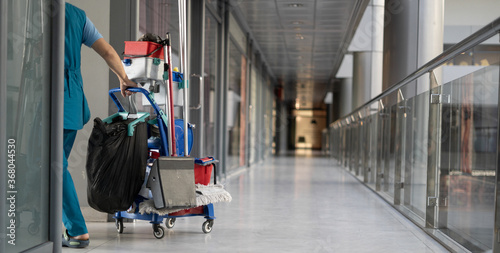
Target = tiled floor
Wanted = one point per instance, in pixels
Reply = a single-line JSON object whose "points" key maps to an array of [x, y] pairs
{"points": [[287, 204]]}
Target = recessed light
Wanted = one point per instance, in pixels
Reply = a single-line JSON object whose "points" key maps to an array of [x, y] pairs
{"points": [[295, 5]]}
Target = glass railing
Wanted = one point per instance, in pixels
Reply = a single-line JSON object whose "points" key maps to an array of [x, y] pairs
{"points": [[428, 145]]}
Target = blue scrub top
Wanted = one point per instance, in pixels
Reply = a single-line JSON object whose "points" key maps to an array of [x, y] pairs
{"points": [[79, 30]]}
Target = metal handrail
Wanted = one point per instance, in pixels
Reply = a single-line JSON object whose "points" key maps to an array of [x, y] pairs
{"points": [[483, 34]]}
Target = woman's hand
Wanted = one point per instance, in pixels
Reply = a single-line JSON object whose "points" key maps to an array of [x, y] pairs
{"points": [[124, 84]]}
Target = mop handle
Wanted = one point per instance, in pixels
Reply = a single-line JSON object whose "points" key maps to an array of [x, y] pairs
{"points": [[170, 97], [184, 69]]}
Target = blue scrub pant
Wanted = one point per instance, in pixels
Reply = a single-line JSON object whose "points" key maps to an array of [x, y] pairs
{"points": [[72, 215]]}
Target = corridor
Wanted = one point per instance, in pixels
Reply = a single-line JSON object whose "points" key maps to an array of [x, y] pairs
{"points": [[302, 203]]}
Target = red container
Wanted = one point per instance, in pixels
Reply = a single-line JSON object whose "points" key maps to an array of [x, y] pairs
{"points": [[143, 48], [194, 210], [202, 173]]}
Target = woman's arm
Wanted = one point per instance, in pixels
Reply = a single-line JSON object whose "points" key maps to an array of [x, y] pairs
{"points": [[108, 53]]}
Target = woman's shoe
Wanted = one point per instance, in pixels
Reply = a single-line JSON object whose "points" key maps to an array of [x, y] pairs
{"points": [[67, 241]]}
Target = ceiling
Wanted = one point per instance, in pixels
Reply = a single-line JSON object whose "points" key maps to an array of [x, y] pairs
{"points": [[302, 41]]}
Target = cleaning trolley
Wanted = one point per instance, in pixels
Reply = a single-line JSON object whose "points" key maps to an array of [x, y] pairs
{"points": [[157, 179]]}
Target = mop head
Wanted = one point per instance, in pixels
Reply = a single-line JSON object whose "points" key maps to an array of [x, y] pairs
{"points": [[205, 194]]}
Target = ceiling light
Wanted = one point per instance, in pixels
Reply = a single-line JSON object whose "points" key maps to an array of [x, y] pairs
{"points": [[299, 36], [297, 23], [295, 5]]}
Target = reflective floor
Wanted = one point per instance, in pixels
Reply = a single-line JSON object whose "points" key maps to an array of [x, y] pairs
{"points": [[287, 204]]}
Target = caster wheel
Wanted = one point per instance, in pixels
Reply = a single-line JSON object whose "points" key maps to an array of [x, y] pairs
{"points": [[170, 223], [159, 232], [207, 226], [33, 228], [119, 225]]}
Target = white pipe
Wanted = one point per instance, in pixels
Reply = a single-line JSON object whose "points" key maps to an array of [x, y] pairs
{"points": [[184, 69]]}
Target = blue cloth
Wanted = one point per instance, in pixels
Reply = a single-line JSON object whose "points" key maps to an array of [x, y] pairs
{"points": [[76, 111], [90, 33], [72, 215], [78, 31]]}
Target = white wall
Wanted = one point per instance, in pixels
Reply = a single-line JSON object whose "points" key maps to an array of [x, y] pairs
{"points": [[464, 17], [467, 12], [95, 74]]}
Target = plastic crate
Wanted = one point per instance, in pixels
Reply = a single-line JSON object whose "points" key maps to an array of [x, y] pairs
{"points": [[143, 48], [143, 68]]}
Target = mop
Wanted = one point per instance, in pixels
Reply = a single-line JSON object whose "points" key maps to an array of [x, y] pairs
{"points": [[205, 194]]}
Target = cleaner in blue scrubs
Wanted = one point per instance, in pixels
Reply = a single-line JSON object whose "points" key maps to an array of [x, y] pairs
{"points": [[80, 30]]}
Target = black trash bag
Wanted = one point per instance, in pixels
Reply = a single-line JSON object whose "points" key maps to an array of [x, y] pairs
{"points": [[116, 164]]}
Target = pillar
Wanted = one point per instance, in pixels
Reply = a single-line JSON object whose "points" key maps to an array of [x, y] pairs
{"points": [[367, 56], [413, 35]]}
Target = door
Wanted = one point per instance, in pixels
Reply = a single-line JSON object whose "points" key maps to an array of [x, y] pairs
{"points": [[26, 82]]}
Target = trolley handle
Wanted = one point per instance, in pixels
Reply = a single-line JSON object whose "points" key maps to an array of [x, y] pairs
{"points": [[162, 120], [141, 90]]}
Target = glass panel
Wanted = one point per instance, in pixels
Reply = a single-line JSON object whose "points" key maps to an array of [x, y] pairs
{"points": [[28, 124], [353, 165], [253, 115], [408, 152], [451, 128], [349, 146], [470, 124], [399, 150], [236, 109], [373, 146], [210, 78], [269, 121], [418, 177], [378, 170], [359, 149], [213, 3], [362, 139], [237, 34], [390, 156], [159, 17]]}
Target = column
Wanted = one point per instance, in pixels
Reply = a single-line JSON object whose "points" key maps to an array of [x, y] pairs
{"points": [[413, 35], [367, 46]]}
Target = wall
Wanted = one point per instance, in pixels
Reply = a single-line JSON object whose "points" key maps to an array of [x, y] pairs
{"points": [[95, 75], [308, 127], [470, 13], [462, 18]]}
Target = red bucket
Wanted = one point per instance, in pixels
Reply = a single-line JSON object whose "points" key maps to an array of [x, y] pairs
{"points": [[143, 49], [202, 173]]}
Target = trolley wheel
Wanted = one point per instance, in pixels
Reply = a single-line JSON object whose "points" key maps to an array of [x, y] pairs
{"points": [[158, 231], [207, 226], [119, 225], [170, 222]]}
